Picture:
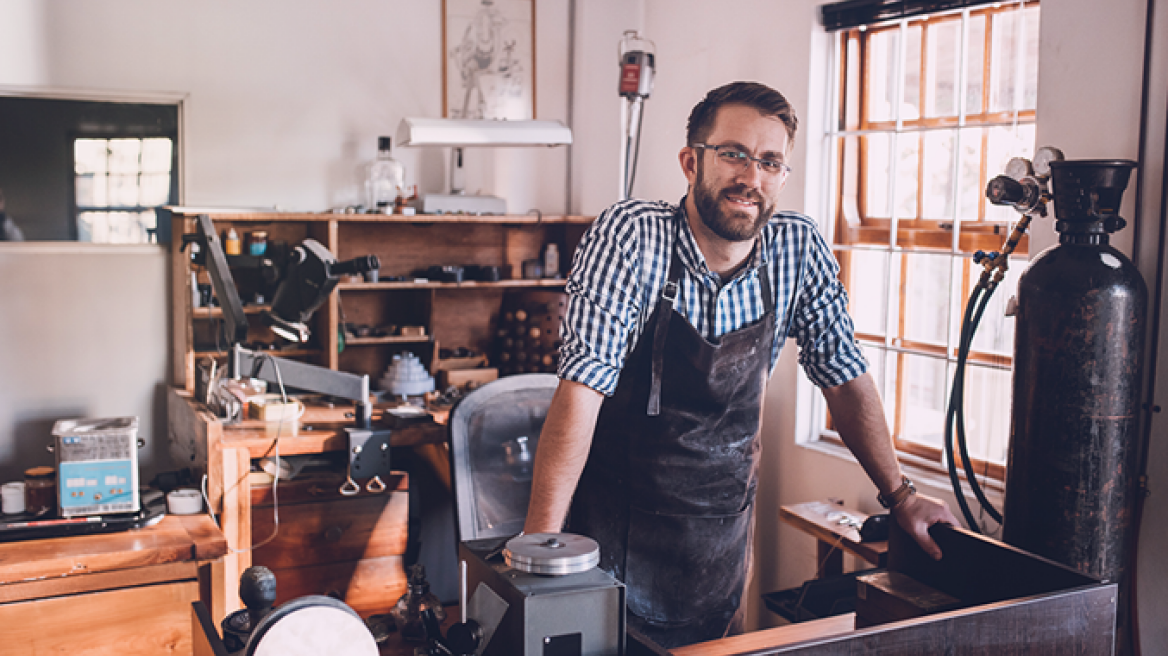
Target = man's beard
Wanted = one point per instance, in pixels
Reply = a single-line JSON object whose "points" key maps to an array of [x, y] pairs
{"points": [[732, 226]]}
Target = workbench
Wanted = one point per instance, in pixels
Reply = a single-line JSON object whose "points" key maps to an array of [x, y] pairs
{"points": [[113, 594], [349, 546]]}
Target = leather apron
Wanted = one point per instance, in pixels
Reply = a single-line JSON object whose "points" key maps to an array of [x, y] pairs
{"points": [[668, 488]]}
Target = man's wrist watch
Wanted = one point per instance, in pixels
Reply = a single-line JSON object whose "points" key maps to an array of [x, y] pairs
{"points": [[898, 496]]}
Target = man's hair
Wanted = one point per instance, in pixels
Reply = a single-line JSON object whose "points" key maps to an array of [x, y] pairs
{"points": [[766, 100]]}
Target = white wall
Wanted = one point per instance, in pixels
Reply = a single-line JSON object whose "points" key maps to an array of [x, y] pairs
{"points": [[82, 334], [282, 103]]}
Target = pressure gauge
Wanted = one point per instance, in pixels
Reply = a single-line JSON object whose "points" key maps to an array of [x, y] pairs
{"points": [[1018, 168], [1042, 159]]}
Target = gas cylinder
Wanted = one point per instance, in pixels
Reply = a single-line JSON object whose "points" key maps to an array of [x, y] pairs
{"points": [[1078, 355]]}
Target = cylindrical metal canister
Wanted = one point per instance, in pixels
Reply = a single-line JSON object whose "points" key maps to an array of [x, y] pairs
{"points": [[1079, 343]]}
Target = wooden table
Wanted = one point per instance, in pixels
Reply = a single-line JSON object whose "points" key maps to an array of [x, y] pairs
{"points": [[225, 452], [822, 520], [122, 594]]}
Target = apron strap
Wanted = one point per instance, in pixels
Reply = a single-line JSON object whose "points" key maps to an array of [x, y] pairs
{"points": [[661, 329]]}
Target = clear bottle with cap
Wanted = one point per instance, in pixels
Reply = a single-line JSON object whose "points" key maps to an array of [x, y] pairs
{"points": [[551, 261], [384, 179], [407, 612]]}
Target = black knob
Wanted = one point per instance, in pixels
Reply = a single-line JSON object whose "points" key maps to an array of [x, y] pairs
{"points": [[463, 638], [257, 591], [1004, 190]]}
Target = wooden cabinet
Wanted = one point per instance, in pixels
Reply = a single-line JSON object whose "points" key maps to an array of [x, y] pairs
{"points": [[452, 314], [121, 594]]}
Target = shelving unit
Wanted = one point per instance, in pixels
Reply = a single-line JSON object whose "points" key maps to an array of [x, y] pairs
{"points": [[452, 314]]}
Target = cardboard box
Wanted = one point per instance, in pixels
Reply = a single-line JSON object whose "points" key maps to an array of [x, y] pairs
{"points": [[461, 378]]}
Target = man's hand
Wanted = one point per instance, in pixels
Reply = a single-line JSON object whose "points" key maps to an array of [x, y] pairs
{"points": [[917, 513]]}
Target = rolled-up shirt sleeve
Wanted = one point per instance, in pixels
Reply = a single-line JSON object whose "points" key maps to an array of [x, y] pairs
{"points": [[603, 304], [820, 323]]}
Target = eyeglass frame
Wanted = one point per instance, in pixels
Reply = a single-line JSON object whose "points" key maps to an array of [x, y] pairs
{"points": [[783, 172]]}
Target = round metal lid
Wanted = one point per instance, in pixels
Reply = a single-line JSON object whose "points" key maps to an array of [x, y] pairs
{"points": [[552, 553]]}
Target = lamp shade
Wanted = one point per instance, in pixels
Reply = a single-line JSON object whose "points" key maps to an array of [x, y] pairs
{"points": [[481, 132]]}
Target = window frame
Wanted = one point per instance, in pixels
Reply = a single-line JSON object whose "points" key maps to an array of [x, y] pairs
{"points": [[854, 227], [172, 185]]}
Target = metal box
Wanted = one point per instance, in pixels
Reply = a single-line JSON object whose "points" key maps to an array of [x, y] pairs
{"points": [[571, 615], [97, 466]]}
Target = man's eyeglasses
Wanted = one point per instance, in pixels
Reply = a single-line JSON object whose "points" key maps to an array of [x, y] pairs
{"points": [[736, 159]]}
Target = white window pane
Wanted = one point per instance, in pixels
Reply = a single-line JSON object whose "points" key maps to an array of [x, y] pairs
{"points": [[943, 62], [124, 155], [883, 51], [868, 274], [123, 190], [907, 174], [155, 189], [987, 413], [975, 65], [90, 155], [1029, 18], [910, 109], [970, 192], [115, 227], [938, 172], [927, 297], [925, 388], [876, 183], [156, 155], [84, 189]]}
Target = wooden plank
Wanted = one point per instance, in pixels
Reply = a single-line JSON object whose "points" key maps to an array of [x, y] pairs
{"points": [[180, 288], [209, 542], [205, 640], [142, 621], [821, 520], [67, 585], [370, 585], [324, 438], [166, 542], [770, 638], [229, 491], [332, 531]]}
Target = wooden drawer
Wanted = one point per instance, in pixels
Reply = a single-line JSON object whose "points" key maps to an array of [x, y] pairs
{"points": [[332, 531], [372, 585], [146, 621]]}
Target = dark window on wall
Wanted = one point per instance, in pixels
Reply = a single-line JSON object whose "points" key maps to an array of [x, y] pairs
{"points": [[929, 108], [54, 186]]}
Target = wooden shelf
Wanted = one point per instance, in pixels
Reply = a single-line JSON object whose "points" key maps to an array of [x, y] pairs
{"points": [[472, 284], [248, 216], [217, 312], [388, 339], [283, 353]]}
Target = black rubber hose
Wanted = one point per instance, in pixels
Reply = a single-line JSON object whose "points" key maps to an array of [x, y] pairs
{"points": [[970, 474], [955, 396]]}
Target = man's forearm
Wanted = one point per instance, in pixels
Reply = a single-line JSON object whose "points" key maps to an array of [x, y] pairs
{"points": [[858, 414], [561, 454]]}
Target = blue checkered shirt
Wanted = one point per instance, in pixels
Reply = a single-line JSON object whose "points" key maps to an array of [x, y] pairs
{"points": [[620, 267]]}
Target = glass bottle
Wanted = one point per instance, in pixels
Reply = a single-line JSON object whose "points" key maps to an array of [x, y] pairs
{"points": [[384, 179], [40, 490], [407, 612]]}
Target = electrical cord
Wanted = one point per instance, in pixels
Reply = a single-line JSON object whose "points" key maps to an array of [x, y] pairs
{"points": [[275, 477]]}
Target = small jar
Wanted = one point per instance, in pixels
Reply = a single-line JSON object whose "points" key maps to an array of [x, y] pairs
{"points": [[40, 490], [257, 243]]}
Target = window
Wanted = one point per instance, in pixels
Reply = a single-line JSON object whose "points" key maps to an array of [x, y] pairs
{"points": [[926, 111], [118, 183]]}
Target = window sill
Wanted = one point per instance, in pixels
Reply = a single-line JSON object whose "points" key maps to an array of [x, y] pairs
{"points": [[924, 473]]}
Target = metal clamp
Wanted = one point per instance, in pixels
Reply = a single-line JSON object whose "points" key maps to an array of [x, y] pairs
{"points": [[375, 485], [350, 487]]}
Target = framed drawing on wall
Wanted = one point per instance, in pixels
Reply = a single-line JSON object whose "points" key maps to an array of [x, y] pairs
{"points": [[488, 64]]}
